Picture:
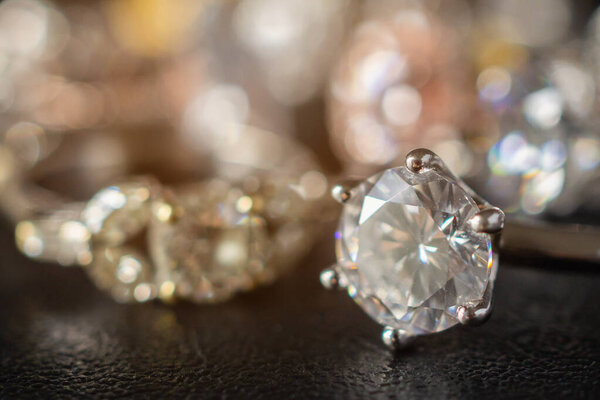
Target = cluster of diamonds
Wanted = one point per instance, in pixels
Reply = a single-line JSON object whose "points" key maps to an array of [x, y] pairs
{"points": [[203, 242]]}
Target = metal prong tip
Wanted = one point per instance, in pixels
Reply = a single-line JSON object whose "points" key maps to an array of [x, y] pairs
{"points": [[467, 315], [490, 220], [329, 278], [396, 339], [420, 159], [341, 191]]}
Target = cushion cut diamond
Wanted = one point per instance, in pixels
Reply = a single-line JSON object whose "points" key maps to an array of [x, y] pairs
{"points": [[406, 251]]}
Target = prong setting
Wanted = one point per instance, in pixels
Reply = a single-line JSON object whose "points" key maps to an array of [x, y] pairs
{"points": [[489, 220], [396, 339], [478, 312], [420, 159], [342, 191], [473, 315], [330, 278]]}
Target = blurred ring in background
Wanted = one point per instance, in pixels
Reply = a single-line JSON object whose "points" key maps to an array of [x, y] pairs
{"points": [[195, 196]]}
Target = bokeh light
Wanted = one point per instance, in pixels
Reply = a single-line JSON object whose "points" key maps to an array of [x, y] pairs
{"points": [[401, 83]]}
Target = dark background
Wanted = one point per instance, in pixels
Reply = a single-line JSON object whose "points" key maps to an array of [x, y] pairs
{"points": [[60, 337]]}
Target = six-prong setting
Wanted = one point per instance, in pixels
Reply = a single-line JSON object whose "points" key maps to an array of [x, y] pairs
{"points": [[420, 160], [396, 339], [341, 192], [473, 315], [329, 278], [489, 220], [417, 249]]}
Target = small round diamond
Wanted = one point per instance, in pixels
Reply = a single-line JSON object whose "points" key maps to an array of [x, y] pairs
{"points": [[119, 212], [56, 236], [124, 272], [406, 250]]}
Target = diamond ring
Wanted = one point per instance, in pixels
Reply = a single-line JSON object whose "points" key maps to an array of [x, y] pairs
{"points": [[416, 249], [212, 229]]}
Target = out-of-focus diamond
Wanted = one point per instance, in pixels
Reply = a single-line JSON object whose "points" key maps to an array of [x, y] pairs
{"points": [[124, 273], [401, 83], [212, 250], [405, 248], [540, 110], [57, 237], [118, 212]]}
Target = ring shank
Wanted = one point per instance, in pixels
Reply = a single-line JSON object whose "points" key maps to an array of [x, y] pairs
{"points": [[572, 241]]}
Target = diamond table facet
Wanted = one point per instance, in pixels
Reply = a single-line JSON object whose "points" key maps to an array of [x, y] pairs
{"points": [[407, 252]]}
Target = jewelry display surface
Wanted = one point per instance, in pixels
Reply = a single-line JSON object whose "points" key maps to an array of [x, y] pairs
{"points": [[292, 340]]}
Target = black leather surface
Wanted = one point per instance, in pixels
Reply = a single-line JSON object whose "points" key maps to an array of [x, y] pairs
{"points": [[61, 338]]}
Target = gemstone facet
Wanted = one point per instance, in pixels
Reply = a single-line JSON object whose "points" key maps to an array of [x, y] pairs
{"points": [[407, 253]]}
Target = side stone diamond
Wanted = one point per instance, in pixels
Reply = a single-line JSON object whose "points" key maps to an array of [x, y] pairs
{"points": [[406, 250], [213, 250], [117, 213]]}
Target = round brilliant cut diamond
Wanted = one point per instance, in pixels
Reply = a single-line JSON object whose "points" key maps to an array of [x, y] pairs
{"points": [[407, 253]]}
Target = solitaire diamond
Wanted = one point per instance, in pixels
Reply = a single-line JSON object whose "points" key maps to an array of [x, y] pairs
{"points": [[406, 253]]}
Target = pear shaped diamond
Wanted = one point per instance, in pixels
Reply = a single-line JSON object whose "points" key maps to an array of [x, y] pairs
{"points": [[407, 253]]}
